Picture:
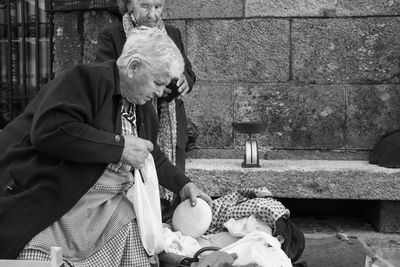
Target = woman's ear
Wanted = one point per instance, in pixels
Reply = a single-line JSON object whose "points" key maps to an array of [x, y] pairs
{"points": [[133, 67]]}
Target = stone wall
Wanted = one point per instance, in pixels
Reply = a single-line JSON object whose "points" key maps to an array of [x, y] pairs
{"points": [[323, 74]]}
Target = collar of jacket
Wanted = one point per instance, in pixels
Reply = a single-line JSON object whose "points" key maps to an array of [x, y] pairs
{"points": [[121, 28], [117, 91]]}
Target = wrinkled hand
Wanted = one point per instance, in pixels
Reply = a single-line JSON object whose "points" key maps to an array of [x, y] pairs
{"points": [[183, 86], [136, 150], [192, 192], [166, 92]]}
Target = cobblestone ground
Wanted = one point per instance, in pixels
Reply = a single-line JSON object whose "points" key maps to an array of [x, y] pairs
{"points": [[341, 241]]}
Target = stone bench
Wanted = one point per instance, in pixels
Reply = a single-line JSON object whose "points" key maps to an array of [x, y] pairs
{"points": [[308, 179]]}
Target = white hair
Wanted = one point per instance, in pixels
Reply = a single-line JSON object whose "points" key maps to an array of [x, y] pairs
{"points": [[154, 50]]}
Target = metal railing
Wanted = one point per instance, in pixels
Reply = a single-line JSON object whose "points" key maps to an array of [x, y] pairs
{"points": [[26, 45], [68, 5]]}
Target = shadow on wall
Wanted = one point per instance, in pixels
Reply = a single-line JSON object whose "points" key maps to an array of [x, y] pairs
{"points": [[3, 121]]}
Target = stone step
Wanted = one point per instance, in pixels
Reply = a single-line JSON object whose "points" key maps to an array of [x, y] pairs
{"points": [[309, 179], [325, 179], [281, 154]]}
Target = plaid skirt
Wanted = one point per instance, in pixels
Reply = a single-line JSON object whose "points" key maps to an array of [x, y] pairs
{"points": [[100, 230], [124, 249]]}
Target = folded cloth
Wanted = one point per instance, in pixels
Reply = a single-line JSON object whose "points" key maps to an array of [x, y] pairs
{"points": [[245, 226]]}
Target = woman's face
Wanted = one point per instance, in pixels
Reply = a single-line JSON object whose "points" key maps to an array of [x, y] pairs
{"points": [[147, 12], [143, 86]]}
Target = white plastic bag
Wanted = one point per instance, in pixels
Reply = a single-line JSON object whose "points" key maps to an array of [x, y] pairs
{"points": [[260, 248], [180, 244], [246, 225], [145, 197]]}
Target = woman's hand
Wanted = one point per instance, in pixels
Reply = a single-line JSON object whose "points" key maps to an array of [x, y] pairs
{"points": [[183, 86], [136, 150], [192, 192]]}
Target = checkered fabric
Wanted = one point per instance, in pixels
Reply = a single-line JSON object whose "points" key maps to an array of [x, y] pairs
{"points": [[244, 203], [128, 119], [124, 249]]}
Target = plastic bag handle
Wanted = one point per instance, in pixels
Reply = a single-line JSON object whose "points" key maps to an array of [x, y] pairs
{"points": [[188, 261], [209, 248], [142, 176]]}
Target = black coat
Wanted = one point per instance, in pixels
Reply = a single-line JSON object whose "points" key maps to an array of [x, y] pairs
{"points": [[386, 152], [109, 46], [53, 152]]}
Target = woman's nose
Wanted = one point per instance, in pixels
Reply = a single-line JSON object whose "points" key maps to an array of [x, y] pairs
{"points": [[152, 13]]}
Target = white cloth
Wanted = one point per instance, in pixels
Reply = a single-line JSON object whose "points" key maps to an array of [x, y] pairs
{"points": [[260, 248]]}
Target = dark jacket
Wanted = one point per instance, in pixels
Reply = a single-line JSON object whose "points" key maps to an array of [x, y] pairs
{"points": [[109, 46], [60, 145], [386, 152]]}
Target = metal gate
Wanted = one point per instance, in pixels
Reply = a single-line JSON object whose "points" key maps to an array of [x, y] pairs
{"points": [[26, 53], [26, 47]]}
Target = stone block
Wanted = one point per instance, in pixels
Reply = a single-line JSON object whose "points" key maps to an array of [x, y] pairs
{"points": [[298, 116], [255, 50], [215, 183], [93, 23], [384, 216], [372, 110], [314, 154], [375, 241], [67, 41], [390, 217], [211, 153], [357, 50], [179, 24], [210, 107], [274, 154], [178, 9], [304, 8], [306, 179]]}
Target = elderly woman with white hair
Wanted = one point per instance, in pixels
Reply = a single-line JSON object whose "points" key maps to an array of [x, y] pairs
{"points": [[173, 137], [67, 162]]}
